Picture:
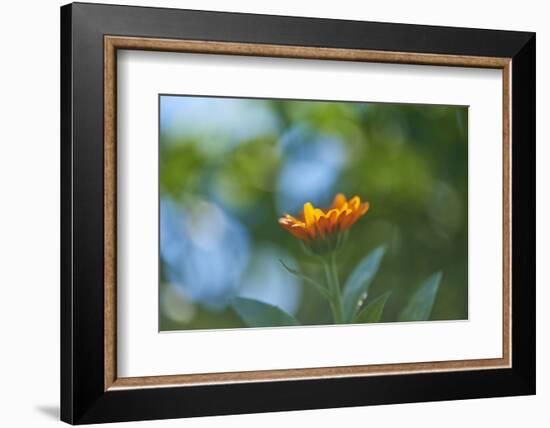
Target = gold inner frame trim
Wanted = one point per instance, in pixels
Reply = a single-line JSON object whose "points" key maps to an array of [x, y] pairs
{"points": [[113, 43]]}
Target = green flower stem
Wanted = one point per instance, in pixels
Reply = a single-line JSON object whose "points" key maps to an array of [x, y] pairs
{"points": [[333, 283], [337, 290], [328, 274]]}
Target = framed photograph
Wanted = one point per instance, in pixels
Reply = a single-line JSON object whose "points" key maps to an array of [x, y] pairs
{"points": [[265, 213]]}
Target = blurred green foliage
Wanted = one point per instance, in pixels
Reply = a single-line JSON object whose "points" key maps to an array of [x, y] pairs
{"points": [[409, 161]]}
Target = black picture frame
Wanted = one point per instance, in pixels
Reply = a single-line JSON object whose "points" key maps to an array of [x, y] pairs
{"points": [[83, 396]]}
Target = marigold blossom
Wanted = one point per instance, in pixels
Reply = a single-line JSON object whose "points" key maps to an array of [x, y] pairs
{"points": [[317, 224]]}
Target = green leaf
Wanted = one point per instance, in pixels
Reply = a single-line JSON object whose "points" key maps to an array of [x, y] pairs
{"points": [[259, 314], [322, 290], [421, 303], [372, 312], [359, 281]]}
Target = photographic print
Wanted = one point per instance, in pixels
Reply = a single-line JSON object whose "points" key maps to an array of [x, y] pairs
{"points": [[280, 212], [322, 219]]}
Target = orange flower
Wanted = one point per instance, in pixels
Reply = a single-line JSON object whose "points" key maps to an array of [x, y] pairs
{"points": [[320, 224]]}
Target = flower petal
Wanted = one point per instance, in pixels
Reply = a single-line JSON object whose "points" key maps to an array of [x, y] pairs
{"points": [[354, 202], [299, 232], [332, 216], [339, 201], [323, 226], [345, 220], [318, 213], [309, 214], [309, 218]]}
